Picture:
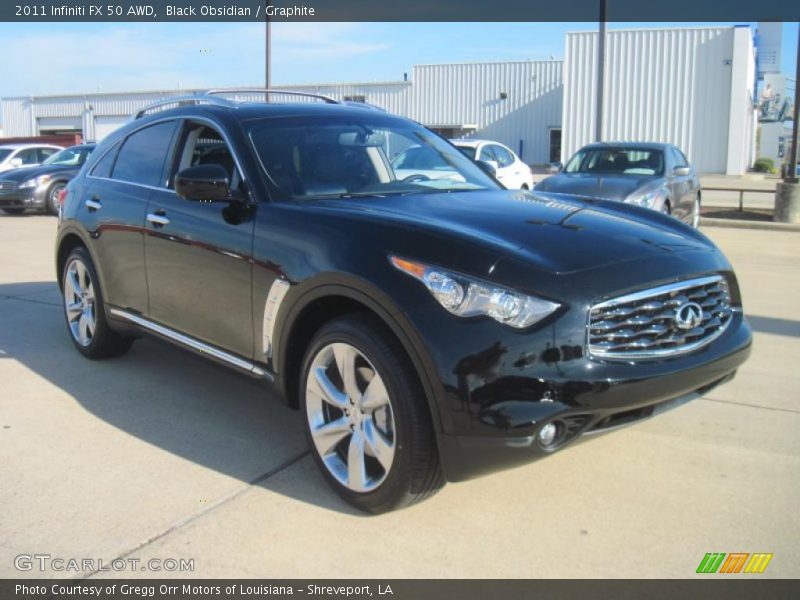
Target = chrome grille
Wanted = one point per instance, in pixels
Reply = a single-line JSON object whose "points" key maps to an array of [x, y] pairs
{"points": [[645, 324]]}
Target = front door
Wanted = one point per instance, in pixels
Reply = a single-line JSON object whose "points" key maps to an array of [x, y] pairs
{"points": [[198, 254]]}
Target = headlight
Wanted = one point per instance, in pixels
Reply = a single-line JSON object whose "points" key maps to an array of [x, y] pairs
{"points": [[35, 182], [647, 199], [466, 297]]}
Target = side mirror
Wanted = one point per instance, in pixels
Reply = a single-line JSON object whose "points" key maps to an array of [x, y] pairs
{"points": [[488, 167], [204, 183], [15, 162], [555, 167], [681, 171]]}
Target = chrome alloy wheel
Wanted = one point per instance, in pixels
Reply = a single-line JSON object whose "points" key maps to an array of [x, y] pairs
{"points": [[350, 417], [79, 302]]}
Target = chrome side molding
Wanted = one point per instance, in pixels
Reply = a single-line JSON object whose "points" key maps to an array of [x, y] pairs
{"points": [[275, 296], [192, 343]]}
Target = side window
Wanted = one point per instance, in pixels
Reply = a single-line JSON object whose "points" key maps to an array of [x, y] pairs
{"points": [[45, 153], [487, 153], [102, 167], [203, 145], [143, 154], [28, 156], [504, 157], [680, 159]]}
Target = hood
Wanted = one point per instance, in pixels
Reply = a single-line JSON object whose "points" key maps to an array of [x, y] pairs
{"points": [[604, 186], [557, 234], [25, 173]]}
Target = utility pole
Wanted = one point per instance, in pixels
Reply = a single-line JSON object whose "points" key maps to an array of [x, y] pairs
{"points": [[601, 66], [787, 192]]}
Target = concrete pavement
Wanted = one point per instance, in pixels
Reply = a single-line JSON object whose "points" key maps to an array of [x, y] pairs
{"points": [[160, 454]]}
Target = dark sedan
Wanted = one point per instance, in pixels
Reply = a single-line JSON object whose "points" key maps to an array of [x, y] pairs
{"points": [[656, 176], [38, 188]]}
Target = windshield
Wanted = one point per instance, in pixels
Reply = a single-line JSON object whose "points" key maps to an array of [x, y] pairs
{"points": [[4, 154], [68, 157], [318, 157], [469, 151], [618, 161]]}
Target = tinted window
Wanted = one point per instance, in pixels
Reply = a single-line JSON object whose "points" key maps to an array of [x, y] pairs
{"points": [[143, 154], [103, 166], [204, 145], [469, 151], [504, 157], [4, 154]]}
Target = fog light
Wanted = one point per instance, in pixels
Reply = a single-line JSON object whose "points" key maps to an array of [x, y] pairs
{"points": [[548, 434]]}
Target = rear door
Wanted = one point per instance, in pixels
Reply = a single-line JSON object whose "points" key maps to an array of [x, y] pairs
{"points": [[198, 254], [113, 209], [508, 170]]}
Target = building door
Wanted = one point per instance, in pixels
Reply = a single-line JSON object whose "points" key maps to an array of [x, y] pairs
{"points": [[555, 144]]}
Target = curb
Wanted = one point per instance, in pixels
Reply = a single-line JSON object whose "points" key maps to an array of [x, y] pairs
{"points": [[742, 224]]}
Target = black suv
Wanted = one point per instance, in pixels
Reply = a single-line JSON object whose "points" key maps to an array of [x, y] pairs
{"points": [[429, 329]]}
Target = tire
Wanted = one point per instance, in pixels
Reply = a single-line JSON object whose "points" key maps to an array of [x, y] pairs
{"points": [[387, 428], [696, 212], [524, 187], [84, 310], [13, 211], [51, 201]]}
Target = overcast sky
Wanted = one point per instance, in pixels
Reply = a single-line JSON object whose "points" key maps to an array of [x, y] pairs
{"points": [[59, 58]]}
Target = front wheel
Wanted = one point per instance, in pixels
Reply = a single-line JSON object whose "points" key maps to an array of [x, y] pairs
{"points": [[367, 420], [52, 200]]}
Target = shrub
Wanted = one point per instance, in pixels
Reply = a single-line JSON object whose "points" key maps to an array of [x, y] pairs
{"points": [[764, 165]]}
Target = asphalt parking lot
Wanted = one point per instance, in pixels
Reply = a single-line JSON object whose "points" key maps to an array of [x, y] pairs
{"points": [[159, 454]]}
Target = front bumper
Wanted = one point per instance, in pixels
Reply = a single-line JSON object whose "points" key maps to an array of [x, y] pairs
{"points": [[23, 198], [508, 416]]}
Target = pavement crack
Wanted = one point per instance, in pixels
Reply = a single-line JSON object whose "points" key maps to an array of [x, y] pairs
{"points": [[208, 509], [789, 410]]}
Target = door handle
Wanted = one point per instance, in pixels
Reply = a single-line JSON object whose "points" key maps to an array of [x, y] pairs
{"points": [[93, 204], [157, 220]]}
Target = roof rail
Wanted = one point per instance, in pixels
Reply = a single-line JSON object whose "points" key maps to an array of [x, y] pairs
{"points": [[183, 101], [266, 91]]}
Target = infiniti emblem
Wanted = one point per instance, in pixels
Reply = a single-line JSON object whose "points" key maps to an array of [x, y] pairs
{"points": [[688, 315]]}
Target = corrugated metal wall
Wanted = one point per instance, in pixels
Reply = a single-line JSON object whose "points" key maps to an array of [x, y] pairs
{"points": [[439, 95], [663, 85], [469, 94]]}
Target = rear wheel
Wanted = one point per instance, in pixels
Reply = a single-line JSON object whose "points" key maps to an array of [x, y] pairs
{"points": [[13, 211], [85, 311], [367, 419], [52, 197]]}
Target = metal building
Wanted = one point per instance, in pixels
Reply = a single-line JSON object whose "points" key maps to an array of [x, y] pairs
{"points": [[689, 86], [693, 87]]}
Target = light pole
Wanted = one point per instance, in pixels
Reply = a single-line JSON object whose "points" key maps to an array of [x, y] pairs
{"points": [[601, 66], [268, 56]]}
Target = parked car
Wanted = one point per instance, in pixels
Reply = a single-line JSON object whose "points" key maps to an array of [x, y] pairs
{"points": [[656, 176], [14, 156], [510, 170], [39, 187], [427, 330]]}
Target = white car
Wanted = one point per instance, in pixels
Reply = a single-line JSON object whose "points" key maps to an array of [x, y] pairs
{"points": [[13, 156], [511, 171]]}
